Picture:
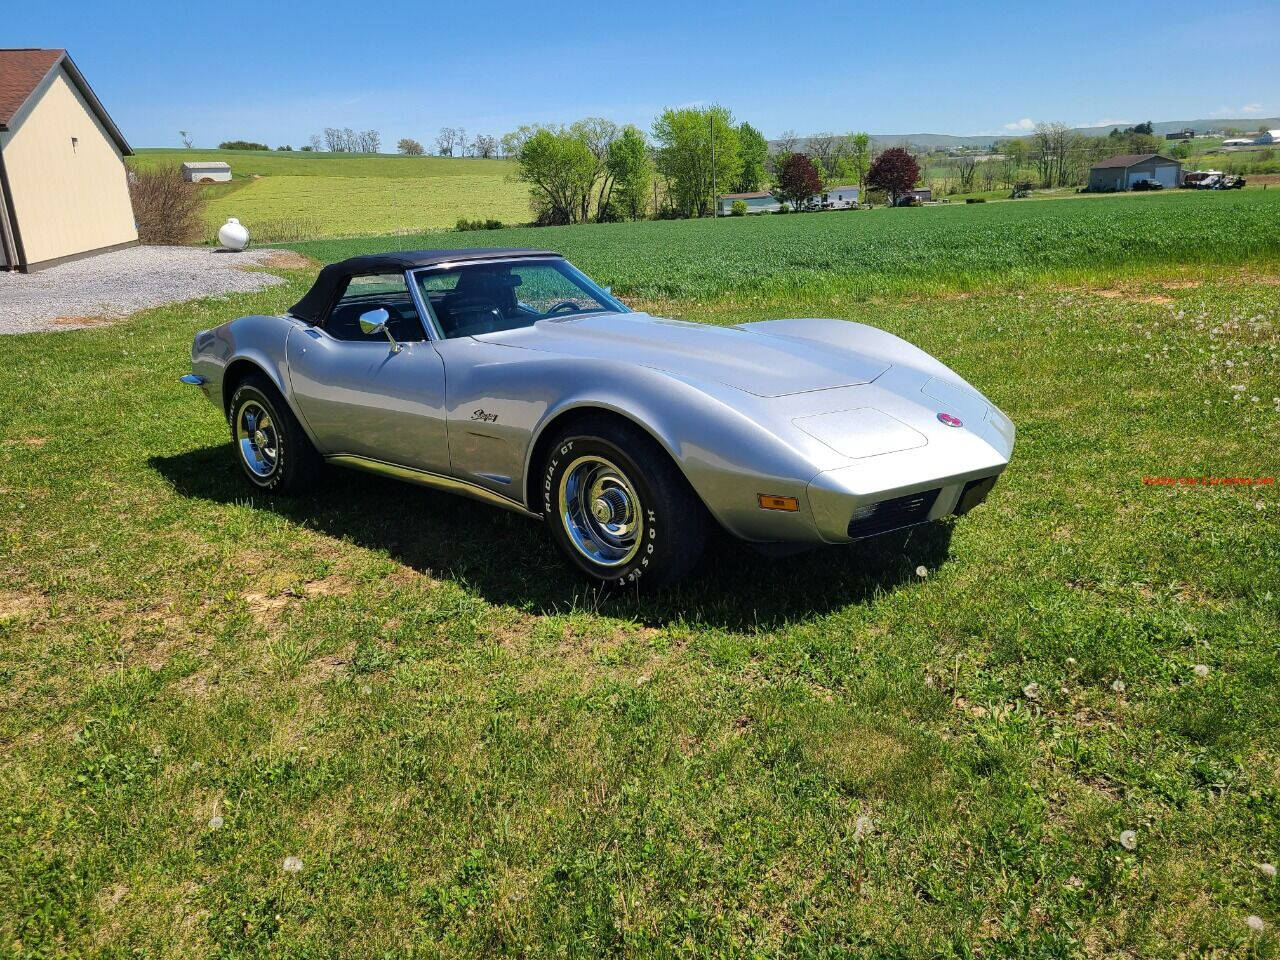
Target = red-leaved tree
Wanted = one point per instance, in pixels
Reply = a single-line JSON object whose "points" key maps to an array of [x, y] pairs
{"points": [[894, 171], [797, 180]]}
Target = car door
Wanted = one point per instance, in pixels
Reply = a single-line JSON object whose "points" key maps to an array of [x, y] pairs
{"points": [[360, 394]]}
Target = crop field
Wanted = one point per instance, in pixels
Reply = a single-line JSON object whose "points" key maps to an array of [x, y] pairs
{"points": [[291, 196], [381, 721], [884, 250]]}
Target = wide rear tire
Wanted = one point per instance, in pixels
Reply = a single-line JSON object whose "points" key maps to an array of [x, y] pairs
{"points": [[618, 508]]}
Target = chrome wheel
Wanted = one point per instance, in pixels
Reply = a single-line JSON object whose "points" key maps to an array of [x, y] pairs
{"points": [[600, 511], [257, 439]]}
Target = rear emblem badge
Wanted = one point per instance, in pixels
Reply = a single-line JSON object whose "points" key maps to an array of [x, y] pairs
{"points": [[950, 421]]}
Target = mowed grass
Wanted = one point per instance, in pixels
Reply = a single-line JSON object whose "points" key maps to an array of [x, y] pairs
{"points": [[294, 195], [471, 755], [284, 208], [863, 252]]}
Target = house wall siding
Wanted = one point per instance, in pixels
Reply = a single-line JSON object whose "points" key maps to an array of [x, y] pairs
{"points": [[66, 201]]}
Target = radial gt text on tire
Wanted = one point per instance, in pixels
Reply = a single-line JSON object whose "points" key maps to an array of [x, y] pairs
{"points": [[618, 508]]}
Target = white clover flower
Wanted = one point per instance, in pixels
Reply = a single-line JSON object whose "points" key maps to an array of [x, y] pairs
{"points": [[216, 822], [1129, 839], [291, 865], [922, 571], [1200, 670], [1117, 686], [1255, 923], [1031, 691], [1071, 661]]}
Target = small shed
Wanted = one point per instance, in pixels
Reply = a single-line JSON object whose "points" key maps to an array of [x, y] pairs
{"points": [[206, 171], [1122, 172], [923, 194], [63, 188], [759, 201]]}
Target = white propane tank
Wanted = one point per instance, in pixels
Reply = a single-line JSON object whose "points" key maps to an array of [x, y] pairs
{"points": [[233, 235]]}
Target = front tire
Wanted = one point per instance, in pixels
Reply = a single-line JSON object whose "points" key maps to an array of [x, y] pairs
{"points": [[618, 508], [269, 444]]}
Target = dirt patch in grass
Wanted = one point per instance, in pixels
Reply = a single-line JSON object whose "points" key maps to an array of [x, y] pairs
{"points": [[288, 260], [94, 321], [14, 604], [1130, 296]]}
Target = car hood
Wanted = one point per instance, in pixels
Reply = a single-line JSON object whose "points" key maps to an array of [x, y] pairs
{"points": [[763, 364]]}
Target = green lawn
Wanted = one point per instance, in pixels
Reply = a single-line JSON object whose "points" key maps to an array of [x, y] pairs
{"points": [[828, 755], [290, 196]]}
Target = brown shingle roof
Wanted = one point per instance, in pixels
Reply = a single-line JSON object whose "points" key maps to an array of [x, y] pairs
{"points": [[20, 73], [1128, 160], [23, 70]]}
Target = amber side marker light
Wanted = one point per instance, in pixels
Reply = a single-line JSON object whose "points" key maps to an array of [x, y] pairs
{"points": [[769, 501]]}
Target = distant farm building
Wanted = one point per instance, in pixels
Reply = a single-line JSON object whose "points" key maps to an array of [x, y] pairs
{"points": [[840, 198], [1267, 138], [923, 194], [1122, 172], [1186, 133], [206, 171], [1237, 142], [64, 192], [761, 201]]}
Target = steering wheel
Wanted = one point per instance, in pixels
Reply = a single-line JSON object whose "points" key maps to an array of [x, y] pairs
{"points": [[563, 306]]}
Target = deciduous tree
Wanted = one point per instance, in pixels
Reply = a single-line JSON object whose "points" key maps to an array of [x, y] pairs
{"points": [[797, 181], [631, 170], [560, 169], [753, 149], [409, 147], [894, 171], [687, 141]]}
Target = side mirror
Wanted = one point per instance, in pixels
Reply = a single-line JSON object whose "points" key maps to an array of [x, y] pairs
{"points": [[374, 322]]}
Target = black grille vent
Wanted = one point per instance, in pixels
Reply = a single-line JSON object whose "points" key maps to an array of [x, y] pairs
{"points": [[874, 518]]}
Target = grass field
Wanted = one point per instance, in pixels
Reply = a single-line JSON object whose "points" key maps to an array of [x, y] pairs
{"points": [[288, 196], [829, 755], [904, 250]]}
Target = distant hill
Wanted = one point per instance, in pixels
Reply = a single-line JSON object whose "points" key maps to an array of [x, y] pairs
{"points": [[880, 141]]}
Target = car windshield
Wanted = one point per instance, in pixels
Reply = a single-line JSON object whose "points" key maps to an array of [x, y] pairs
{"points": [[478, 298]]}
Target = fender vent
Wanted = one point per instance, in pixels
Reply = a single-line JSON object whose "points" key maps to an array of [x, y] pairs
{"points": [[876, 518]]}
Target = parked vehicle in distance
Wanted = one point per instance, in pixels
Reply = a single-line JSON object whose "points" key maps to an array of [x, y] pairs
{"points": [[509, 376], [1212, 180], [1146, 184]]}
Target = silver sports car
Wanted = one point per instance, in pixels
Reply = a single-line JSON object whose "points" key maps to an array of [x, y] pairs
{"points": [[509, 376]]}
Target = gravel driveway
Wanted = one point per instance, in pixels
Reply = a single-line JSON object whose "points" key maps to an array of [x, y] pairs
{"points": [[111, 285]]}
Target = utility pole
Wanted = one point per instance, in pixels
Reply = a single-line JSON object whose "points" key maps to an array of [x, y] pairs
{"points": [[715, 200]]}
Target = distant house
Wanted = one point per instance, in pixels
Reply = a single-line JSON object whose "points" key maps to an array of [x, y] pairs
{"points": [[206, 171], [840, 198], [1122, 172], [923, 194], [1238, 142], [760, 201], [1186, 133], [64, 192], [1267, 137]]}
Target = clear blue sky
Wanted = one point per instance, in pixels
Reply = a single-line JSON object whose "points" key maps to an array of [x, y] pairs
{"points": [[277, 73]]}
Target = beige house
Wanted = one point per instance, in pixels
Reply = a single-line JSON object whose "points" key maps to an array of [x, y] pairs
{"points": [[64, 191]]}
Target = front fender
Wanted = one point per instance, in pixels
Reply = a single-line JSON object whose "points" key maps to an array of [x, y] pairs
{"points": [[723, 447]]}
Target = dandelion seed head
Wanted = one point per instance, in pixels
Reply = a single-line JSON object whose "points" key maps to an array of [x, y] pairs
{"points": [[1268, 870], [1200, 670], [863, 826], [1117, 686], [1255, 923], [216, 822], [922, 571], [1031, 691], [291, 865], [1129, 839]]}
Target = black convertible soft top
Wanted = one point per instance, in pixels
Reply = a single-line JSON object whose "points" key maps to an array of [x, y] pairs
{"points": [[332, 280]]}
